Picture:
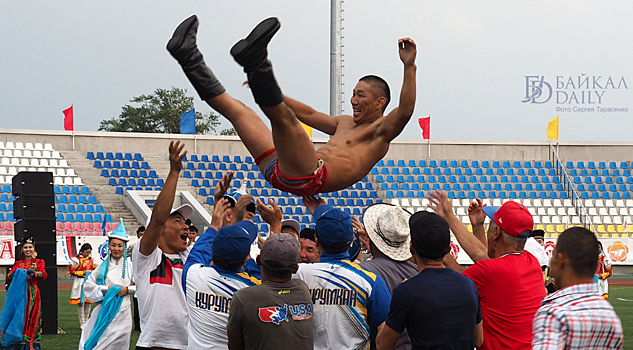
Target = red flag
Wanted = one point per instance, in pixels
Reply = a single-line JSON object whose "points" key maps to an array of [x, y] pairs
{"points": [[68, 119], [425, 125]]}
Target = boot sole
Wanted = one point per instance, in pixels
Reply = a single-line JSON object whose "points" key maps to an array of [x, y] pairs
{"points": [[180, 34], [264, 30]]}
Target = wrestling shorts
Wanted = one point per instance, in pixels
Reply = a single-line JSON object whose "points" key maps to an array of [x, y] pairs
{"points": [[300, 186]]}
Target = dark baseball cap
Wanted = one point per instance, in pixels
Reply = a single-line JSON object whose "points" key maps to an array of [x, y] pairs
{"points": [[430, 235], [233, 243], [333, 226], [280, 252]]}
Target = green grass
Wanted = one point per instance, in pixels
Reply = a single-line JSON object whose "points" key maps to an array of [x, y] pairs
{"points": [[69, 322]]}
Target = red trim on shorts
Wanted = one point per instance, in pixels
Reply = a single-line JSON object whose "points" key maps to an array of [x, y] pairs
{"points": [[259, 158], [311, 185]]}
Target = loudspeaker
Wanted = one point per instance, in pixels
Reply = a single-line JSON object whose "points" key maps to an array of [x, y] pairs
{"points": [[49, 299], [33, 206], [47, 252], [31, 182], [42, 230]]}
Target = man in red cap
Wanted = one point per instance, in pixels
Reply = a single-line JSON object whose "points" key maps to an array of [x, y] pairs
{"points": [[509, 279]]}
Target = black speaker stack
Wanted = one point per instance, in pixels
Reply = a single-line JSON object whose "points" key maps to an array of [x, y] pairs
{"points": [[34, 212]]}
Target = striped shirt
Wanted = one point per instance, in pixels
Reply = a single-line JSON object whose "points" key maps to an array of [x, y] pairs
{"points": [[349, 302], [577, 318]]}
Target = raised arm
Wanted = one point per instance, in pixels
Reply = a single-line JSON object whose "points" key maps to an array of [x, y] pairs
{"points": [[164, 201], [309, 116], [398, 118], [471, 244]]}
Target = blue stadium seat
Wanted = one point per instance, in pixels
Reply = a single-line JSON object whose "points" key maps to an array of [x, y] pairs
{"points": [[186, 174], [464, 164], [195, 183], [496, 164], [624, 165], [510, 171], [432, 164], [474, 164], [60, 217], [380, 163], [422, 163], [401, 163], [500, 171], [119, 190], [443, 163], [453, 164], [116, 164], [506, 164]]}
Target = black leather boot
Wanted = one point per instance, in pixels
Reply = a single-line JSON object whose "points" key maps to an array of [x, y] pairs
{"points": [[252, 54], [183, 48]]}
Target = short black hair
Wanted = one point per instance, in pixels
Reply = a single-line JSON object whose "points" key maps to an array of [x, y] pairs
{"points": [[580, 246], [307, 233], [227, 265], [85, 247], [140, 229], [380, 86], [193, 228]]}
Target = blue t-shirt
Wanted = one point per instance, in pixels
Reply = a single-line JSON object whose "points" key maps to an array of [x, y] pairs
{"points": [[439, 308]]}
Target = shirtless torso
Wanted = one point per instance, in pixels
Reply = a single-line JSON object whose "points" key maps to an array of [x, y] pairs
{"points": [[284, 153], [352, 152]]}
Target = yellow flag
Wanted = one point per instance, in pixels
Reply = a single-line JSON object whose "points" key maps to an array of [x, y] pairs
{"points": [[308, 129], [552, 129]]}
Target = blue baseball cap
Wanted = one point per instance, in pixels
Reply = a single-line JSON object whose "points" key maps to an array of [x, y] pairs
{"points": [[333, 226], [233, 243]]}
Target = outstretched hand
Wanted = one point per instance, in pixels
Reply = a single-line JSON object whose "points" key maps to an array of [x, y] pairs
{"points": [[222, 186], [312, 202], [271, 215], [476, 212], [440, 204], [407, 50], [176, 155]]}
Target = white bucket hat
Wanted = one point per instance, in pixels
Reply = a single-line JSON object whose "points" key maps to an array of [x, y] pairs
{"points": [[185, 210], [388, 228]]}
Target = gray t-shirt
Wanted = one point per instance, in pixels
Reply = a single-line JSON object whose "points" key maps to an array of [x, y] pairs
{"points": [[393, 272], [273, 316]]}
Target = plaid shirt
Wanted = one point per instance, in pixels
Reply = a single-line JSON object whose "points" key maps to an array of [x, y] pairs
{"points": [[577, 317]]}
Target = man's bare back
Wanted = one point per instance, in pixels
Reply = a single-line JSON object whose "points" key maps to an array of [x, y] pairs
{"points": [[285, 154]]}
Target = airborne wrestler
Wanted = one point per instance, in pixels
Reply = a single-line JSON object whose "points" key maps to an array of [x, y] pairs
{"points": [[286, 156]]}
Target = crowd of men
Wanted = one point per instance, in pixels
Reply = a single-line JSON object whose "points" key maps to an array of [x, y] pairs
{"points": [[304, 290]]}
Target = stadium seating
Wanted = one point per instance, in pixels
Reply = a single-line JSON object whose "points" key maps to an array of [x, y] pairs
{"points": [[126, 171], [75, 203]]}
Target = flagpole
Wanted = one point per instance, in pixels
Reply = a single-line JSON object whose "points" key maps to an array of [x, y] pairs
{"points": [[429, 149]]}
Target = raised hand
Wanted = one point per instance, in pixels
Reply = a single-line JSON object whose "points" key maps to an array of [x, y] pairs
{"points": [[219, 212], [240, 207], [362, 233], [312, 202], [407, 50], [222, 186], [271, 215], [440, 203], [476, 213], [176, 155]]}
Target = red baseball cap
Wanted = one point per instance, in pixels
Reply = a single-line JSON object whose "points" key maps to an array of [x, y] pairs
{"points": [[512, 217]]}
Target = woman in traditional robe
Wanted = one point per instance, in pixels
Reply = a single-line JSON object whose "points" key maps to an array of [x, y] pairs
{"points": [[35, 270], [113, 331], [79, 268]]}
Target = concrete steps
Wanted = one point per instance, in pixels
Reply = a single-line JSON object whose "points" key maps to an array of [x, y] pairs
{"points": [[98, 185]]}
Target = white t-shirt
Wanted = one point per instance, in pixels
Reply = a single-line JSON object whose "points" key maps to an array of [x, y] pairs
{"points": [[209, 295], [161, 300], [532, 246]]}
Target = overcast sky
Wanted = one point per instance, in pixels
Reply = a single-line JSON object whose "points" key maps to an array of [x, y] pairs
{"points": [[473, 59]]}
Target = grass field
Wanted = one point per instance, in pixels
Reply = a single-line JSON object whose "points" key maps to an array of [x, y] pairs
{"points": [[620, 297]]}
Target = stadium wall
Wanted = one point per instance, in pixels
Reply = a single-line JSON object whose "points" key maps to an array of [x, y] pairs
{"points": [[400, 149]]}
